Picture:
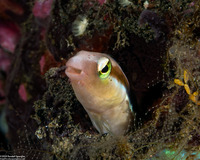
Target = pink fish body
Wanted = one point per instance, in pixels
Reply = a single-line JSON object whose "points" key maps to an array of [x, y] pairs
{"points": [[102, 88]]}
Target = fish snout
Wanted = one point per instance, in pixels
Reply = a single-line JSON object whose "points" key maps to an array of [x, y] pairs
{"points": [[73, 69]]}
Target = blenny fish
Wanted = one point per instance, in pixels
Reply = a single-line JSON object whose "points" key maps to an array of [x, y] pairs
{"points": [[102, 88]]}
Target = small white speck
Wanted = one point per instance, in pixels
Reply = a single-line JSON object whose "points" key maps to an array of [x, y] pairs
{"points": [[124, 3], [146, 4], [79, 25]]}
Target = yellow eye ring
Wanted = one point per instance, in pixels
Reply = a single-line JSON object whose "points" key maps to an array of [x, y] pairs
{"points": [[104, 67]]}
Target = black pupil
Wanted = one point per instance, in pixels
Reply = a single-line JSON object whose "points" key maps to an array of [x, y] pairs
{"points": [[105, 69]]}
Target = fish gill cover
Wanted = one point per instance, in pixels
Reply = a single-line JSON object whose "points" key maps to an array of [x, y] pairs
{"points": [[157, 44]]}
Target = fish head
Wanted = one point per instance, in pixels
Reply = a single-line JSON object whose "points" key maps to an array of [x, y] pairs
{"points": [[97, 79]]}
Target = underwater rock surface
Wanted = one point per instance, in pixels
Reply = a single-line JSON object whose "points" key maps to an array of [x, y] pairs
{"points": [[158, 48]]}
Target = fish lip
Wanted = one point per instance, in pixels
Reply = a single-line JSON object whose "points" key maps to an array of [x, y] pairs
{"points": [[75, 75], [72, 71]]}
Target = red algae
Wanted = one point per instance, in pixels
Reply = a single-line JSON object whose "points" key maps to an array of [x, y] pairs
{"points": [[102, 2], [47, 61], [42, 63], [42, 8], [22, 92], [9, 35]]}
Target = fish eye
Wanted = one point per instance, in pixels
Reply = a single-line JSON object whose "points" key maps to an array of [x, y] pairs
{"points": [[104, 67]]}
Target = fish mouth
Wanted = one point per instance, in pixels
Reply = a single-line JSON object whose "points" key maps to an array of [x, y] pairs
{"points": [[73, 70], [74, 74]]}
